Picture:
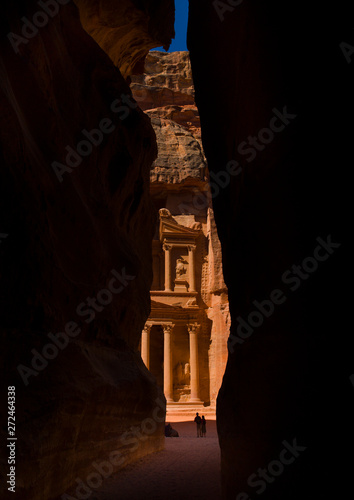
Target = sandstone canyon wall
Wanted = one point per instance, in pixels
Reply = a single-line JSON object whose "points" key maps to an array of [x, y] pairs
{"points": [[180, 182], [127, 30], [74, 233], [59, 241], [274, 90]]}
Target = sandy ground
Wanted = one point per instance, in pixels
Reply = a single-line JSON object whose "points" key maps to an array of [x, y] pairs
{"points": [[188, 469]]}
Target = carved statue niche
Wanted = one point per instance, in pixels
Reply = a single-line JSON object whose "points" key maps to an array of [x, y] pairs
{"points": [[179, 374], [181, 269], [182, 374], [181, 281]]}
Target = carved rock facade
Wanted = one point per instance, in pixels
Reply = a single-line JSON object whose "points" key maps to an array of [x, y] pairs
{"points": [[184, 342]]}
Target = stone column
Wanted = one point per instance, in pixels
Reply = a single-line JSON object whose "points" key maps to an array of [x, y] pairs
{"points": [[167, 364], [168, 280], [145, 345], [194, 366], [191, 254]]}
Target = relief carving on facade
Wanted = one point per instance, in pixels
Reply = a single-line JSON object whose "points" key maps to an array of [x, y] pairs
{"points": [[188, 288], [181, 269]]}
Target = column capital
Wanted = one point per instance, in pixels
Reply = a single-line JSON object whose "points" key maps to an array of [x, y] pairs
{"points": [[166, 247], [168, 328], [191, 248], [147, 328], [193, 327]]}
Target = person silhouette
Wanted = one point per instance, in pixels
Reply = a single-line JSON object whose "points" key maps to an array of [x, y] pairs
{"points": [[198, 421], [203, 427]]}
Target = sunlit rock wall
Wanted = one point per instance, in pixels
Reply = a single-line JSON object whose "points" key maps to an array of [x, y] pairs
{"points": [[179, 175]]}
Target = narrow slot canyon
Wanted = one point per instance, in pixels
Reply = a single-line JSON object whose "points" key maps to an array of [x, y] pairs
{"points": [[175, 238]]}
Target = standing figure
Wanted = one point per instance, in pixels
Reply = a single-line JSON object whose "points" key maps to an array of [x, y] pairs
{"points": [[203, 427], [198, 421]]}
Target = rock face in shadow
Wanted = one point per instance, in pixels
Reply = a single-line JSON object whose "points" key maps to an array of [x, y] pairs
{"points": [[126, 30], [76, 223], [271, 102]]}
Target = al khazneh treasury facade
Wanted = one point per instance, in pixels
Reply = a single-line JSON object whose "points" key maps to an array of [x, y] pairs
{"points": [[184, 341]]}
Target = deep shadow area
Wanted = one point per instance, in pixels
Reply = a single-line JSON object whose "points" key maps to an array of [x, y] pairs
{"points": [[273, 88]]}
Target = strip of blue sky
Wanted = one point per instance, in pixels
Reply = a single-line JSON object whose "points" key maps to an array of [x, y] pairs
{"points": [[180, 41]]}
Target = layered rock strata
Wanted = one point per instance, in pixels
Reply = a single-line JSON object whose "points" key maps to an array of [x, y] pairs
{"points": [[165, 92], [180, 182], [165, 89]]}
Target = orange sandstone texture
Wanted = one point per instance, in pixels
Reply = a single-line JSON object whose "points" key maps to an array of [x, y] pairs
{"points": [[166, 89], [179, 183]]}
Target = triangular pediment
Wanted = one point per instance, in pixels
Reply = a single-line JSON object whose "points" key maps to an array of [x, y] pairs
{"points": [[172, 227]]}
